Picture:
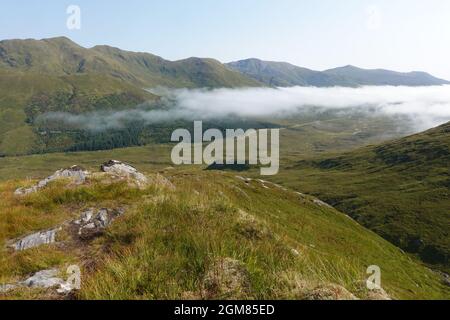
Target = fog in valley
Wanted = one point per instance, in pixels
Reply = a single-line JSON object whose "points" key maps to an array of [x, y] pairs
{"points": [[425, 107]]}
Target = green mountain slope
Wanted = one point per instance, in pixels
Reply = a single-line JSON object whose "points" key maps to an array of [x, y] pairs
{"points": [[26, 95], [210, 235], [57, 75], [282, 74], [61, 56], [400, 189]]}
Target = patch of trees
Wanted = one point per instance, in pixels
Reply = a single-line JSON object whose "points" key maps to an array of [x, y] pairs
{"points": [[110, 139]]}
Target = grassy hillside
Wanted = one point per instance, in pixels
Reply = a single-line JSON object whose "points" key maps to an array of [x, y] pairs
{"points": [[398, 189], [61, 56], [206, 235], [57, 75], [26, 95], [282, 74]]}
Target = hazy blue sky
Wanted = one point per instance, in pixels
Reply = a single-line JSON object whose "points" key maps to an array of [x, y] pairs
{"points": [[397, 34]]}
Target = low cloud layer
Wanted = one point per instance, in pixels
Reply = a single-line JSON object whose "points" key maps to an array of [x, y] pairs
{"points": [[427, 106]]}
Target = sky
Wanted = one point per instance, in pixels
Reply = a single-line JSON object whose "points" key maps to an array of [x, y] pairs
{"points": [[402, 35]]}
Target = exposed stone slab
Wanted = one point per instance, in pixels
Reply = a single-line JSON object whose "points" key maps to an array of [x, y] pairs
{"points": [[36, 240], [75, 173], [45, 279]]}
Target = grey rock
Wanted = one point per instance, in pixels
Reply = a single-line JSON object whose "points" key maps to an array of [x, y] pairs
{"points": [[36, 240], [44, 279], [93, 222], [25, 191], [77, 174], [103, 218], [445, 278], [124, 170], [89, 226], [86, 217]]}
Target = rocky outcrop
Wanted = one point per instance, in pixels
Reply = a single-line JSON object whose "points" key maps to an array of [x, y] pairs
{"points": [[76, 174], [114, 169], [45, 279], [122, 170], [93, 222], [35, 240]]}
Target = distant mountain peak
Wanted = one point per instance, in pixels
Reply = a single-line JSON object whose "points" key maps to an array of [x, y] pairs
{"points": [[283, 74]]}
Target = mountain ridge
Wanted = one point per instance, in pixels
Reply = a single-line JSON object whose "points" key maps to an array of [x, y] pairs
{"points": [[59, 56], [284, 74]]}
